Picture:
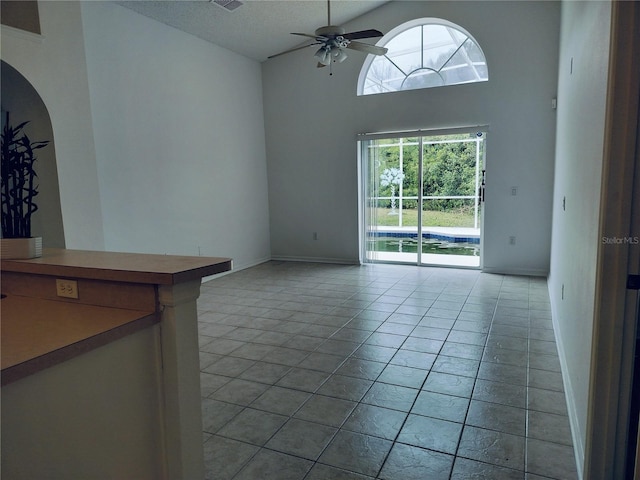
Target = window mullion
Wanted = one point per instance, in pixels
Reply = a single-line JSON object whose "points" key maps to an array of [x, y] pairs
{"points": [[403, 54]]}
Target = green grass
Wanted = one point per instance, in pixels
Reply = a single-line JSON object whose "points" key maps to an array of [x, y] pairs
{"points": [[431, 218]]}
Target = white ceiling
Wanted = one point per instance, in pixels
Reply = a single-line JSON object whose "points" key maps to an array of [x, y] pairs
{"points": [[256, 29]]}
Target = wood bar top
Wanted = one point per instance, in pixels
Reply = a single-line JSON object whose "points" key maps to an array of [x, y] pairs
{"points": [[124, 267], [39, 329], [39, 333]]}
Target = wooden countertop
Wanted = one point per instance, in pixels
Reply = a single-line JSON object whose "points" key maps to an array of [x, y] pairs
{"points": [[39, 333], [40, 330], [125, 267]]}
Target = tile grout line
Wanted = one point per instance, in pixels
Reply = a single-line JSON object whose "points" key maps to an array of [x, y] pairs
{"points": [[291, 416], [399, 281], [528, 379], [475, 380]]}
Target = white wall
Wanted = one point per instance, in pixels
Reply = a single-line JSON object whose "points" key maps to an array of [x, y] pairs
{"points": [[179, 140], [584, 55], [54, 64], [312, 120]]}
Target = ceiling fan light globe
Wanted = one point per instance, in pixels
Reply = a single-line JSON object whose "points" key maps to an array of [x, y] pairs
{"points": [[339, 55], [323, 56]]}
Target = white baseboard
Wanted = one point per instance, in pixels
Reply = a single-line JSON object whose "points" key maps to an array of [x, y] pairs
{"points": [[576, 434], [237, 268], [529, 272], [339, 261]]}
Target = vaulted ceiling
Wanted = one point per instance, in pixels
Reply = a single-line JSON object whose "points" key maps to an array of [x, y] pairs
{"points": [[256, 28]]}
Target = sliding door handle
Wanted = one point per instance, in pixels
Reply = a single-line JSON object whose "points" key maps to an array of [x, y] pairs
{"points": [[481, 194]]}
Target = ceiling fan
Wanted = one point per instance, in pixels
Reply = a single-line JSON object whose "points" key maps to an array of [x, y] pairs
{"points": [[333, 41]]}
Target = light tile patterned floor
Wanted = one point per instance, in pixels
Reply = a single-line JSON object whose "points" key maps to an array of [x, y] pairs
{"points": [[340, 372]]}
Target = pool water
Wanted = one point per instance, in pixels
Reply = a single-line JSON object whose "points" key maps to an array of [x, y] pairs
{"points": [[429, 245]]}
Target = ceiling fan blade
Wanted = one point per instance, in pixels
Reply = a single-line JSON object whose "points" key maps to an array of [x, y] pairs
{"points": [[362, 34], [293, 50], [365, 47], [304, 34]]}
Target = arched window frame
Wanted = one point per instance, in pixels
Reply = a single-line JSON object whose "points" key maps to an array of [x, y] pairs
{"points": [[416, 23]]}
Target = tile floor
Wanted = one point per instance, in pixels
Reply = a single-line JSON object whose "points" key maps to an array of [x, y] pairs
{"points": [[340, 372]]}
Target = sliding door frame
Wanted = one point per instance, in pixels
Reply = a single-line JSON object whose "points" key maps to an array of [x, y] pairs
{"points": [[363, 177]]}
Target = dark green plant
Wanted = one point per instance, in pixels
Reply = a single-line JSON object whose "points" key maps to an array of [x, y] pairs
{"points": [[18, 180]]}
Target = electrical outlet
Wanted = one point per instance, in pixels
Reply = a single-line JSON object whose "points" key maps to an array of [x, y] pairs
{"points": [[512, 240], [315, 235], [66, 288]]}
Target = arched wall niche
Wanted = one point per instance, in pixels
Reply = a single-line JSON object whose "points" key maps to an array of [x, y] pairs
{"points": [[22, 101]]}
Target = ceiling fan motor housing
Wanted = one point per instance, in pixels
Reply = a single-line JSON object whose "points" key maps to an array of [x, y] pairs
{"points": [[330, 31]]}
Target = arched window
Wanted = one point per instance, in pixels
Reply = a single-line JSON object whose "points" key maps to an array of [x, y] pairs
{"points": [[423, 53]]}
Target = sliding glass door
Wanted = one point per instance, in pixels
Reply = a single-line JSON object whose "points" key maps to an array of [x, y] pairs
{"points": [[422, 198]]}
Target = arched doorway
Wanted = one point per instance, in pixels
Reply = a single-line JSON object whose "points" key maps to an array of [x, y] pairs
{"points": [[23, 102]]}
